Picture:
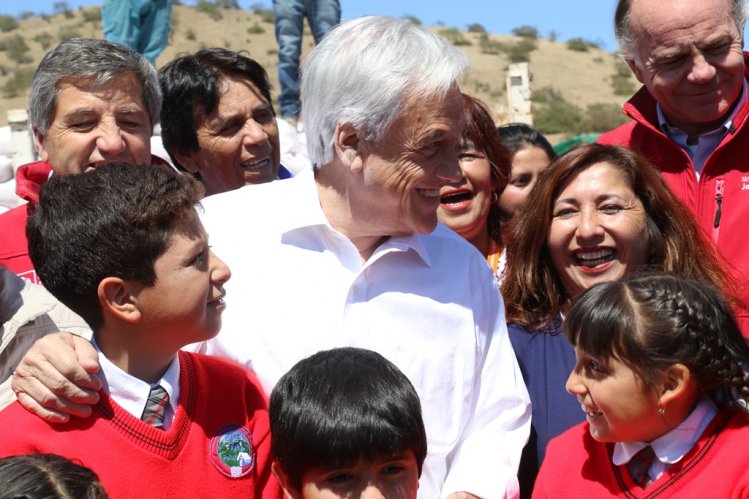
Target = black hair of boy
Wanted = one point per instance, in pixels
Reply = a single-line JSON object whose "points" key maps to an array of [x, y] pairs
{"points": [[44, 476], [342, 405], [114, 221]]}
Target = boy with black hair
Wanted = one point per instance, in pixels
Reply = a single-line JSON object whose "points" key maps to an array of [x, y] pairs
{"points": [[124, 248], [344, 421]]}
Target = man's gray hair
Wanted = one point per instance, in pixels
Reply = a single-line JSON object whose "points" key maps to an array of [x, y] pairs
{"points": [[626, 38], [363, 72], [101, 61]]}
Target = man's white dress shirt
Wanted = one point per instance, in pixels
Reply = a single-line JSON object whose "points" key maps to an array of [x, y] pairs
{"points": [[428, 303]]}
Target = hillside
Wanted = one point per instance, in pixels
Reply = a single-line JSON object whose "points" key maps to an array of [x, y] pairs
{"points": [[578, 78]]}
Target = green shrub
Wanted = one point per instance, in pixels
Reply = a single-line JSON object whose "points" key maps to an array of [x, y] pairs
{"points": [[577, 45], [7, 23], [414, 20], [92, 15], [210, 8], [476, 28], [68, 32], [526, 31], [255, 29], [581, 45], [272, 52], [489, 46], [454, 36], [190, 34], [603, 117], [44, 39], [267, 16], [521, 50], [60, 7], [257, 8], [621, 80], [555, 114], [18, 83], [26, 14], [16, 48]]}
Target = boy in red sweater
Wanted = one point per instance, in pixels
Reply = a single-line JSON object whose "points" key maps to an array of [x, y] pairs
{"points": [[123, 247]]}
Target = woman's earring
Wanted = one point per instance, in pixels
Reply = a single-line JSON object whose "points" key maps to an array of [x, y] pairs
{"points": [[661, 411]]}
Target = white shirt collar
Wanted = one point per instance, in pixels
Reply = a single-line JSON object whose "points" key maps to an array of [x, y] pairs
{"points": [[674, 445], [131, 393], [305, 190]]}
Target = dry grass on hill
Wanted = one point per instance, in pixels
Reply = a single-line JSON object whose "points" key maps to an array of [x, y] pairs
{"points": [[581, 78]]}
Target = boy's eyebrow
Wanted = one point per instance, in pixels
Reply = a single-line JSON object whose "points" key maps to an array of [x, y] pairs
{"points": [[399, 456]]}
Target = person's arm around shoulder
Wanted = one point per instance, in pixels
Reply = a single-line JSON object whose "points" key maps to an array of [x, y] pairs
{"points": [[57, 378]]}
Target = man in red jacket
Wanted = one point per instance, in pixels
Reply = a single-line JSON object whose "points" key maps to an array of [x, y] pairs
{"points": [[689, 119], [91, 102]]}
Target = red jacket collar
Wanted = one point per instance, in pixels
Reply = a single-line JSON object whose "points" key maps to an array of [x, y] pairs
{"points": [[31, 176]]}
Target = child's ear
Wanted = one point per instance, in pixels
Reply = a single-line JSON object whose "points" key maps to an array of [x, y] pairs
{"points": [[116, 299], [348, 146], [678, 387], [289, 491]]}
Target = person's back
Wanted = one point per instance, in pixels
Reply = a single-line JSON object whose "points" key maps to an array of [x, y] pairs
{"points": [[123, 247]]}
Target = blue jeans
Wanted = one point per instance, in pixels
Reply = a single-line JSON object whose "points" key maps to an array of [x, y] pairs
{"points": [[321, 15], [142, 25]]}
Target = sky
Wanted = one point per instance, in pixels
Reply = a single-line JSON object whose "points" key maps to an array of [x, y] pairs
{"points": [[588, 19]]}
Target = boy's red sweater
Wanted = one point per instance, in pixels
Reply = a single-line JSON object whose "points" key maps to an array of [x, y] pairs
{"points": [[190, 459]]}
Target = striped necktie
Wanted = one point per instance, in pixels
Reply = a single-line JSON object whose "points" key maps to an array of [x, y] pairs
{"points": [[639, 465], [158, 400]]}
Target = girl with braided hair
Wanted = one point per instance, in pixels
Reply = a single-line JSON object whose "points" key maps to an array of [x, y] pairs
{"points": [[661, 375]]}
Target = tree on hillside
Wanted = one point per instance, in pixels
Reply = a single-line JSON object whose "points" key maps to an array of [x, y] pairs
{"points": [[526, 31], [60, 7], [228, 4]]}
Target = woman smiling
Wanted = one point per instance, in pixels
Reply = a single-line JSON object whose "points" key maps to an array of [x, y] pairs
{"points": [[469, 206], [597, 213]]}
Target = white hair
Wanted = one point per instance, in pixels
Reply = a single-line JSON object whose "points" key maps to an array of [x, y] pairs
{"points": [[363, 72]]}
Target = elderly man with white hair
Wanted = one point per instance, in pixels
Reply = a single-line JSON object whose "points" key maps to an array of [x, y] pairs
{"points": [[350, 254]]}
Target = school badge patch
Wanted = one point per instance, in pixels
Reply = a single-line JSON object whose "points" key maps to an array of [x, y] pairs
{"points": [[233, 451]]}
